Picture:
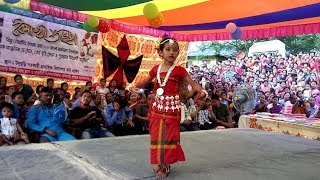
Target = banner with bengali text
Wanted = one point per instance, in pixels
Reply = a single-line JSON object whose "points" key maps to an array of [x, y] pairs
{"points": [[40, 48]]}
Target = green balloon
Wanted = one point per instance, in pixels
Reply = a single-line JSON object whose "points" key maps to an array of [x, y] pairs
{"points": [[93, 21], [88, 28], [150, 10]]}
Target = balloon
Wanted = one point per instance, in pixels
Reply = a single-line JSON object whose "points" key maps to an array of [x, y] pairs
{"points": [[156, 22], [150, 10], [88, 28], [237, 35], [231, 27], [240, 55], [103, 26], [11, 1], [5, 8], [165, 36], [93, 21]]}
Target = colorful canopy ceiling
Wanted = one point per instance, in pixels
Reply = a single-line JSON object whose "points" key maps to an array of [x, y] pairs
{"points": [[193, 20]]}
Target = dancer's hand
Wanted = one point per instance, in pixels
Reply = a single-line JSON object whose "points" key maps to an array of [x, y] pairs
{"points": [[132, 88], [203, 95]]}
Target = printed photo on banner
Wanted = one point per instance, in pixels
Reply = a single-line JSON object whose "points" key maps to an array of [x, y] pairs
{"points": [[37, 47]]}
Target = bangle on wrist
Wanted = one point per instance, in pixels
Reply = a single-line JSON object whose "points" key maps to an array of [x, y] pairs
{"points": [[132, 86], [207, 95]]}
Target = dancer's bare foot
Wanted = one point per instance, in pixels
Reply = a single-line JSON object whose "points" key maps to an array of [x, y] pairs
{"points": [[156, 169], [164, 172]]}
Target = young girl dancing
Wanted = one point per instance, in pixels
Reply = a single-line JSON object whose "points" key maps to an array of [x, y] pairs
{"points": [[165, 108]]}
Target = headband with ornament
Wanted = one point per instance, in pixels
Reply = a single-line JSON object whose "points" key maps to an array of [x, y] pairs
{"points": [[171, 42]]}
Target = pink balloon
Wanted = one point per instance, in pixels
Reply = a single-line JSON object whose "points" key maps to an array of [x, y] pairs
{"points": [[231, 27]]}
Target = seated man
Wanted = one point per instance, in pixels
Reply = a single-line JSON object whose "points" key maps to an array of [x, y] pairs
{"points": [[142, 114], [88, 118], [186, 123], [313, 108], [119, 116], [274, 107], [48, 119], [26, 89], [201, 114], [221, 113]]}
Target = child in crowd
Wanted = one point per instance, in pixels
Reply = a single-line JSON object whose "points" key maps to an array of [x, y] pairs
{"points": [[11, 131]]}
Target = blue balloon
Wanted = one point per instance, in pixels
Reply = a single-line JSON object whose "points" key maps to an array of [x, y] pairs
{"points": [[165, 36], [11, 1], [237, 35]]}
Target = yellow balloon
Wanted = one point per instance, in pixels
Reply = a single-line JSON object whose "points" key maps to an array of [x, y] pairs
{"points": [[150, 10], [156, 22], [93, 21]]}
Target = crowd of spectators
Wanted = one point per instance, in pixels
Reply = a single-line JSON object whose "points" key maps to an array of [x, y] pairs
{"points": [[51, 113], [280, 82]]}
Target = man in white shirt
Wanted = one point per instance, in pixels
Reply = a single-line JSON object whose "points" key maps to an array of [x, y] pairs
{"points": [[313, 108], [202, 114], [186, 123]]}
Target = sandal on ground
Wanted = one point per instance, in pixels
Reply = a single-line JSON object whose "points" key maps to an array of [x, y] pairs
{"points": [[164, 172], [156, 170]]}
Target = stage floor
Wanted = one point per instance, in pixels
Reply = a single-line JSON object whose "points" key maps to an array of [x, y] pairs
{"points": [[237, 154]]}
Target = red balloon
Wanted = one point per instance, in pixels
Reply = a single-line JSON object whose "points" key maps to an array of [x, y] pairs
{"points": [[103, 26], [231, 27]]}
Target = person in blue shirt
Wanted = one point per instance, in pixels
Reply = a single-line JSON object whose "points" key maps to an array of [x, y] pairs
{"points": [[119, 116], [48, 119]]}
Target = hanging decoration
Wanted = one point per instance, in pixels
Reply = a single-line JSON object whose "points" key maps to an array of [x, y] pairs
{"points": [[88, 28], [118, 65], [93, 21], [150, 10], [231, 27], [237, 34], [156, 22], [103, 26]]}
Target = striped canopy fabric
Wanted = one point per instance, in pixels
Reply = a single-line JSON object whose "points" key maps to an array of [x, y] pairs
{"points": [[193, 20]]}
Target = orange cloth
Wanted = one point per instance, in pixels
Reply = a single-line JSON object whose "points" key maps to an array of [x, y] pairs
{"points": [[298, 110]]}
